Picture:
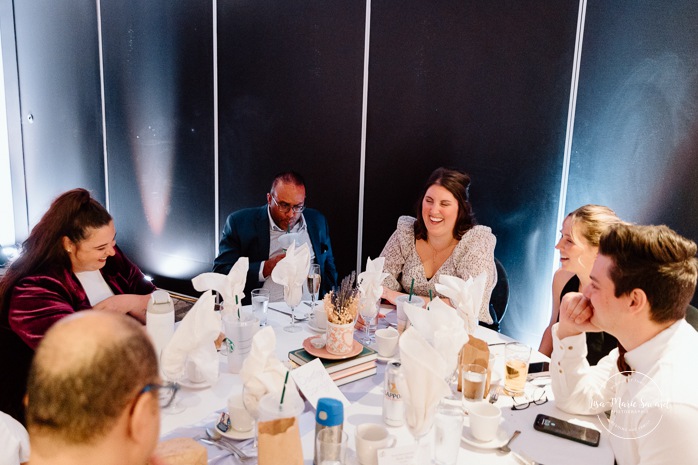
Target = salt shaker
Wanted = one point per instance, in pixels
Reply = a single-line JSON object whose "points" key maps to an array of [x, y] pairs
{"points": [[160, 319]]}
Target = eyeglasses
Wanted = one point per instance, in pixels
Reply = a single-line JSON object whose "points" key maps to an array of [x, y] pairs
{"points": [[166, 392], [285, 207], [539, 398]]}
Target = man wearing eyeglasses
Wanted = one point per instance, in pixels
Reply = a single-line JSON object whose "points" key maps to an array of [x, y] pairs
{"points": [[92, 394], [641, 283], [257, 233]]}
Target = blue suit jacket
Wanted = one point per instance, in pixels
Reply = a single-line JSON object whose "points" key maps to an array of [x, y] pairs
{"points": [[246, 234]]}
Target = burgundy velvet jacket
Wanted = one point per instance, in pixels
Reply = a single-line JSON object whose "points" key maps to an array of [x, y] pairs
{"points": [[36, 303]]}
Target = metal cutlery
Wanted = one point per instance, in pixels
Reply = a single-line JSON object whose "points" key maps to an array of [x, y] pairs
{"points": [[288, 313], [505, 447], [216, 439]]}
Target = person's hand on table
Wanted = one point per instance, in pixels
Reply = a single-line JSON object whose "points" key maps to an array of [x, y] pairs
{"points": [[576, 312], [132, 304], [270, 264]]}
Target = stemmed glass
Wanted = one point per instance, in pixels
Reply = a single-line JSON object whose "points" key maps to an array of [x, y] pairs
{"points": [[314, 284], [292, 328], [419, 432], [368, 311], [251, 403]]}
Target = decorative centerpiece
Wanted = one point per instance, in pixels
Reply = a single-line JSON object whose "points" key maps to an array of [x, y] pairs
{"points": [[341, 306]]}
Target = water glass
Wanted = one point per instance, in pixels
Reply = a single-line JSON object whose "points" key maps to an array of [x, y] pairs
{"points": [[473, 382], [260, 302], [448, 426]]}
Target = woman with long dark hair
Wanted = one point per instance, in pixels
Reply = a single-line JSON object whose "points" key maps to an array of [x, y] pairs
{"points": [[444, 239], [69, 263]]}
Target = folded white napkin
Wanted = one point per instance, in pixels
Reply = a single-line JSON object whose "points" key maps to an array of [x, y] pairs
{"points": [[442, 328], [422, 386], [194, 342], [229, 287], [466, 297], [261, 371], [370, 281], [291, 272]]}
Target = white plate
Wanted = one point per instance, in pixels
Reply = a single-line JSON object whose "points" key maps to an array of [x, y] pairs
{"points": [[236, 435], [188, 384], [314, 328], [395, 357], [499, 440]]}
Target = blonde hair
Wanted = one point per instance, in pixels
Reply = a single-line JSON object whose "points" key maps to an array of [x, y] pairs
{"points": [[593, 221]]}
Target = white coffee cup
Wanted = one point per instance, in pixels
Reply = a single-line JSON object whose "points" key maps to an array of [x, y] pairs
{"points": [[240, 419], [370, 438], [386, 341], [484, 421], [320, 317]]}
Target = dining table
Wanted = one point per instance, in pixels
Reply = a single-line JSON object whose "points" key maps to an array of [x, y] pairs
{"points": [[201, 406]]}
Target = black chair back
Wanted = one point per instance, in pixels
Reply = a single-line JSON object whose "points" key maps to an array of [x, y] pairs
{"points": [[499, 300]]}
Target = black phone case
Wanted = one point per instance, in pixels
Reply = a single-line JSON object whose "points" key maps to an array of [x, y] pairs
{"points": [[567, 430]]}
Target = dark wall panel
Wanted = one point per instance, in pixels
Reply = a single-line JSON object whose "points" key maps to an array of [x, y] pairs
{"points": [[290, 83], [60, 103], [483, 86], [158, 67], [636, 131]]}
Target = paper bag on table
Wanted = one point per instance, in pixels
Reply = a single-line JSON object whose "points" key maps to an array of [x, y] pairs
{"points": [[475, 352], [280, 442]]}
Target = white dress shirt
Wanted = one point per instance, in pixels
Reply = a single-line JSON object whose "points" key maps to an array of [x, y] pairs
{"points": [[14, 441], [276, 291], [654, 410]]}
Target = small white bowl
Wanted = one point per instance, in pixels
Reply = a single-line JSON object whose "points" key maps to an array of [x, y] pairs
{"points": [[318, 342]]}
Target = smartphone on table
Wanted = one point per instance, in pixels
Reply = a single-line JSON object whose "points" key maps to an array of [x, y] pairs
{"points": [[567, 430]]}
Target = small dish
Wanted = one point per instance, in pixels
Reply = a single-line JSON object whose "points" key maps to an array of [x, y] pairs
{"points": [[499, 440], [318, 342], [395, 357], [324, 354], [188, 384], [313, 328], [236, 435]]}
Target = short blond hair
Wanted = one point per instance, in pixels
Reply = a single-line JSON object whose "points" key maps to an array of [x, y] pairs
{"points": [[592, 221]]}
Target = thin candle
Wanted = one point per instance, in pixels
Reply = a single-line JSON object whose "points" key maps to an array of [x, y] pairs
{"points": [[283, 391], [409, 299]]}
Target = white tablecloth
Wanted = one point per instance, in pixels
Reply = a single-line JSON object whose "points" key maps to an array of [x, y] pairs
{"points": [[367, 400]]}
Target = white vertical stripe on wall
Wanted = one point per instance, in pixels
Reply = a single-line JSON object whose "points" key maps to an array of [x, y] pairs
{"points": [[576, 64], [104, 107], [216, 203], [364, 111]]}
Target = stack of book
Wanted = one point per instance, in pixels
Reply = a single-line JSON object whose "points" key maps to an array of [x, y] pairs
{"points": [[342, 371]]}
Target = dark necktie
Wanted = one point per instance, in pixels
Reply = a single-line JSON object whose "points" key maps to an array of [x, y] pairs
{"points": [[623, 366]]}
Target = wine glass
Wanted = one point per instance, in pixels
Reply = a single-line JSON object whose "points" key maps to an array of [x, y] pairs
{"points": [[251, 403], [419, 431], [314, 284], [292, 300], [368, 311]]}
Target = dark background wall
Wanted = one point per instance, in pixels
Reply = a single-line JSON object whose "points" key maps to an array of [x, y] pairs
{"points": [[484, 86]]}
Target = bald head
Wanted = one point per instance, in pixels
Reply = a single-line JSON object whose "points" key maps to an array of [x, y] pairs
{"points": [[86, 370]]}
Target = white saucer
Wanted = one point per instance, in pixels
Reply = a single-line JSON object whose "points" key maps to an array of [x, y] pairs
{"points": [[188, 384], [314, 328], [395, 357], [236, 435], [499, 440]]}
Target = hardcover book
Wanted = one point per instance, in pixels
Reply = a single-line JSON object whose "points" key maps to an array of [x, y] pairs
{"points": [[301, 357]]}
